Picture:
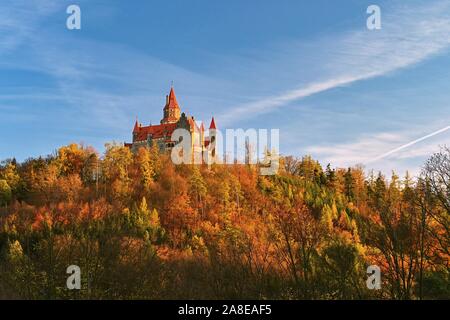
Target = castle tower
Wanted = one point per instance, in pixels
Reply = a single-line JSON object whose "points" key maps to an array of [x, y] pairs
{"points": [[172, 111], [212, 136], [136, 130]]}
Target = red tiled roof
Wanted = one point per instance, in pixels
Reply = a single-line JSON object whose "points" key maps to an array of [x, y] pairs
{"points": [[157, 131]]}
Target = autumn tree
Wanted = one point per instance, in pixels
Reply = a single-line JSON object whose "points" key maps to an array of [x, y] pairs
{"points": [[5, 193], [115, 172]]}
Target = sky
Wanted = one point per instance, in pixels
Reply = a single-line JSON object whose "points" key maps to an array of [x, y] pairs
{"points": [[337, 91]]}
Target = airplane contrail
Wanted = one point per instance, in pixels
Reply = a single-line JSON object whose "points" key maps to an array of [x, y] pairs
{"points": [[384, 155]]}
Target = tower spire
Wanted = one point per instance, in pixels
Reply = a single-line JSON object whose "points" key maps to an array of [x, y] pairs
{"points": [[136, 125], [213, 124], [171, 109]]}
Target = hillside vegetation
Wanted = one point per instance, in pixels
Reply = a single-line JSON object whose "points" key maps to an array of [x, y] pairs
{"points": [[140, 227]]}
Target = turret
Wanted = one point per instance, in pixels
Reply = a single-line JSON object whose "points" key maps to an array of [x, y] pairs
{"points": [[136, 130], [212, 136], [171, 109]]}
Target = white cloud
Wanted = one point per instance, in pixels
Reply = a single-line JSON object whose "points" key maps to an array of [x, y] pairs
{"points": [[409, 144], [384, 151], [19, 20], [408, 36], [91, 82]]}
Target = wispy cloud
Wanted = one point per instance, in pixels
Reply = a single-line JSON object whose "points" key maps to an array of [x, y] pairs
{"points": [[370, 151], [91, 88], [408, 37], [407, 145], [20, 19], [93, 80]]}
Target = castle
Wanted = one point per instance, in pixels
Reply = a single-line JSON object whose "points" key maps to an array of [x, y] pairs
{"points": [[173, 118]]}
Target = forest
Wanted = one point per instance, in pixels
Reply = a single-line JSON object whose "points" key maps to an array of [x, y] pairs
{"points": [[140, 227]]}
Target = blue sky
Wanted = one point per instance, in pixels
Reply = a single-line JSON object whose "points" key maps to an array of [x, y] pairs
{"points": [[336, 90]]}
